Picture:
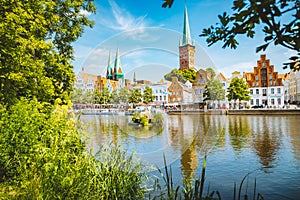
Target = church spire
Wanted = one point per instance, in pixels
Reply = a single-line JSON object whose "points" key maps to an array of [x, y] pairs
{"points": [[109, 68], [186, 39], [118, 73]]}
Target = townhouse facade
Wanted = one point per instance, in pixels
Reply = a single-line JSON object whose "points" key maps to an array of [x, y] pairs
{"points": [[266, 85], [294, 87], [179, 92], [201, 79]]}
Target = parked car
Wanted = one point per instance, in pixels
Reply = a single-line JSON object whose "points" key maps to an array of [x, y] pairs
{"points": [[257, 106]]}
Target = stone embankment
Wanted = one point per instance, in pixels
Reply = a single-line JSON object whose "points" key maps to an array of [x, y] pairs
{"points": [[262, 111]]}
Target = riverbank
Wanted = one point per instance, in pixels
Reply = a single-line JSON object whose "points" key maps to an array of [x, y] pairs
{"points": [[262, 111]]}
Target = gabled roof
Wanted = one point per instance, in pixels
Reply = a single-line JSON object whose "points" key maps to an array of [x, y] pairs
{"points": [[221, 76]]}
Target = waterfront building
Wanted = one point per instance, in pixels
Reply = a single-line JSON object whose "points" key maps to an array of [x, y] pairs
{"points": [[224, 103], [201, 79], [85, 81], [179, 92], [266, 85], [286, 88], [159, 91], [186, 46], [294, 87]]}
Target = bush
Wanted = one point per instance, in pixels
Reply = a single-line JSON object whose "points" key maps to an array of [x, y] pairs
{"points": [[43, 157]]}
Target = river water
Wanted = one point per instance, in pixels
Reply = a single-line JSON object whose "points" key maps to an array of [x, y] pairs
{"points": [[263, 147]]}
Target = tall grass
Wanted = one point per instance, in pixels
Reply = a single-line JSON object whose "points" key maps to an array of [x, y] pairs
{"points": [[121, 177], [167, 190]]}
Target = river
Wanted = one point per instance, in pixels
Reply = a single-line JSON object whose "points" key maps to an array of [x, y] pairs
{"points": [[264, 147]]}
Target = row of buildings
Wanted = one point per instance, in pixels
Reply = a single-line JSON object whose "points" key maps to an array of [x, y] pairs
{"points": [[267, 87]]}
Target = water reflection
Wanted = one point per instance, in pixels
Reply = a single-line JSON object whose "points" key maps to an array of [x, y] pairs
{"points": [[266, 136], [235, 145]]}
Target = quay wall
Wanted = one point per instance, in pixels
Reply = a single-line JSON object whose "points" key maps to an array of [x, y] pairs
{"points": [[240, 112]]}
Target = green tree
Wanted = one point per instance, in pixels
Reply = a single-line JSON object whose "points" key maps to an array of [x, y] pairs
{"points": [[280, 20], [87, 97], [147, 95], [182, 75], [212, 72], [102, 97], [35, 48], [124, 95], [214, 90], [238, 90], [77, 95], [115, 97], [135, 96]]}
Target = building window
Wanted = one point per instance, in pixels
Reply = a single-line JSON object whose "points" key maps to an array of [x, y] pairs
{"points": [[263, 64], [278, 91], [256, 78], [164, 98], [251, 101], [271, 76], [257, 91], [156, 98], [264, 92], [257, 101], [272, 101], [271, 83], [257, 84], [160, 98], [253, 84], [251, 91], [279, 101], [274, 82]]}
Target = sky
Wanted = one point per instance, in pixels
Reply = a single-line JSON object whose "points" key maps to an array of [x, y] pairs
{"points": [[148, 36]]}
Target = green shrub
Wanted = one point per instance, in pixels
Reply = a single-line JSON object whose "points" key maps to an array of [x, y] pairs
{"points": [[43, 157]]}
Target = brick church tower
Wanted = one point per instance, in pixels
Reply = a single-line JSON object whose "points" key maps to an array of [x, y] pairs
{"points": [[186, 46]]}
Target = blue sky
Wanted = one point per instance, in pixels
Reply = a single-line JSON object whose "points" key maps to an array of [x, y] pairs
{"points": [[148, 35]]}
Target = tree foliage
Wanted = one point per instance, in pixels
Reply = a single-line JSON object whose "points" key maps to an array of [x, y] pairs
{"points": [[135, 96], [43, 156], [238, 90], [147, 95], [102, 97], [271, 14], [114, 96], [35, 48], [124, 94], [279, 20], [212, 72], [182, 75], [214, 90]]}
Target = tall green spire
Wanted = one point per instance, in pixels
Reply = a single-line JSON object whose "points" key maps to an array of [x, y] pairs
{"points": [[186, 39], [109, 68], [117, 61], [117, 67]]}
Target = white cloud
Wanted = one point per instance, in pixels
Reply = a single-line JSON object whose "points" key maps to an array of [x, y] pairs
{"points": [[240, 67], [123, 20]]}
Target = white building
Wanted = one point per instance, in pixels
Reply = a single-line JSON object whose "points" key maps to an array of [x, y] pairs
{"points": [[159, 90]]}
